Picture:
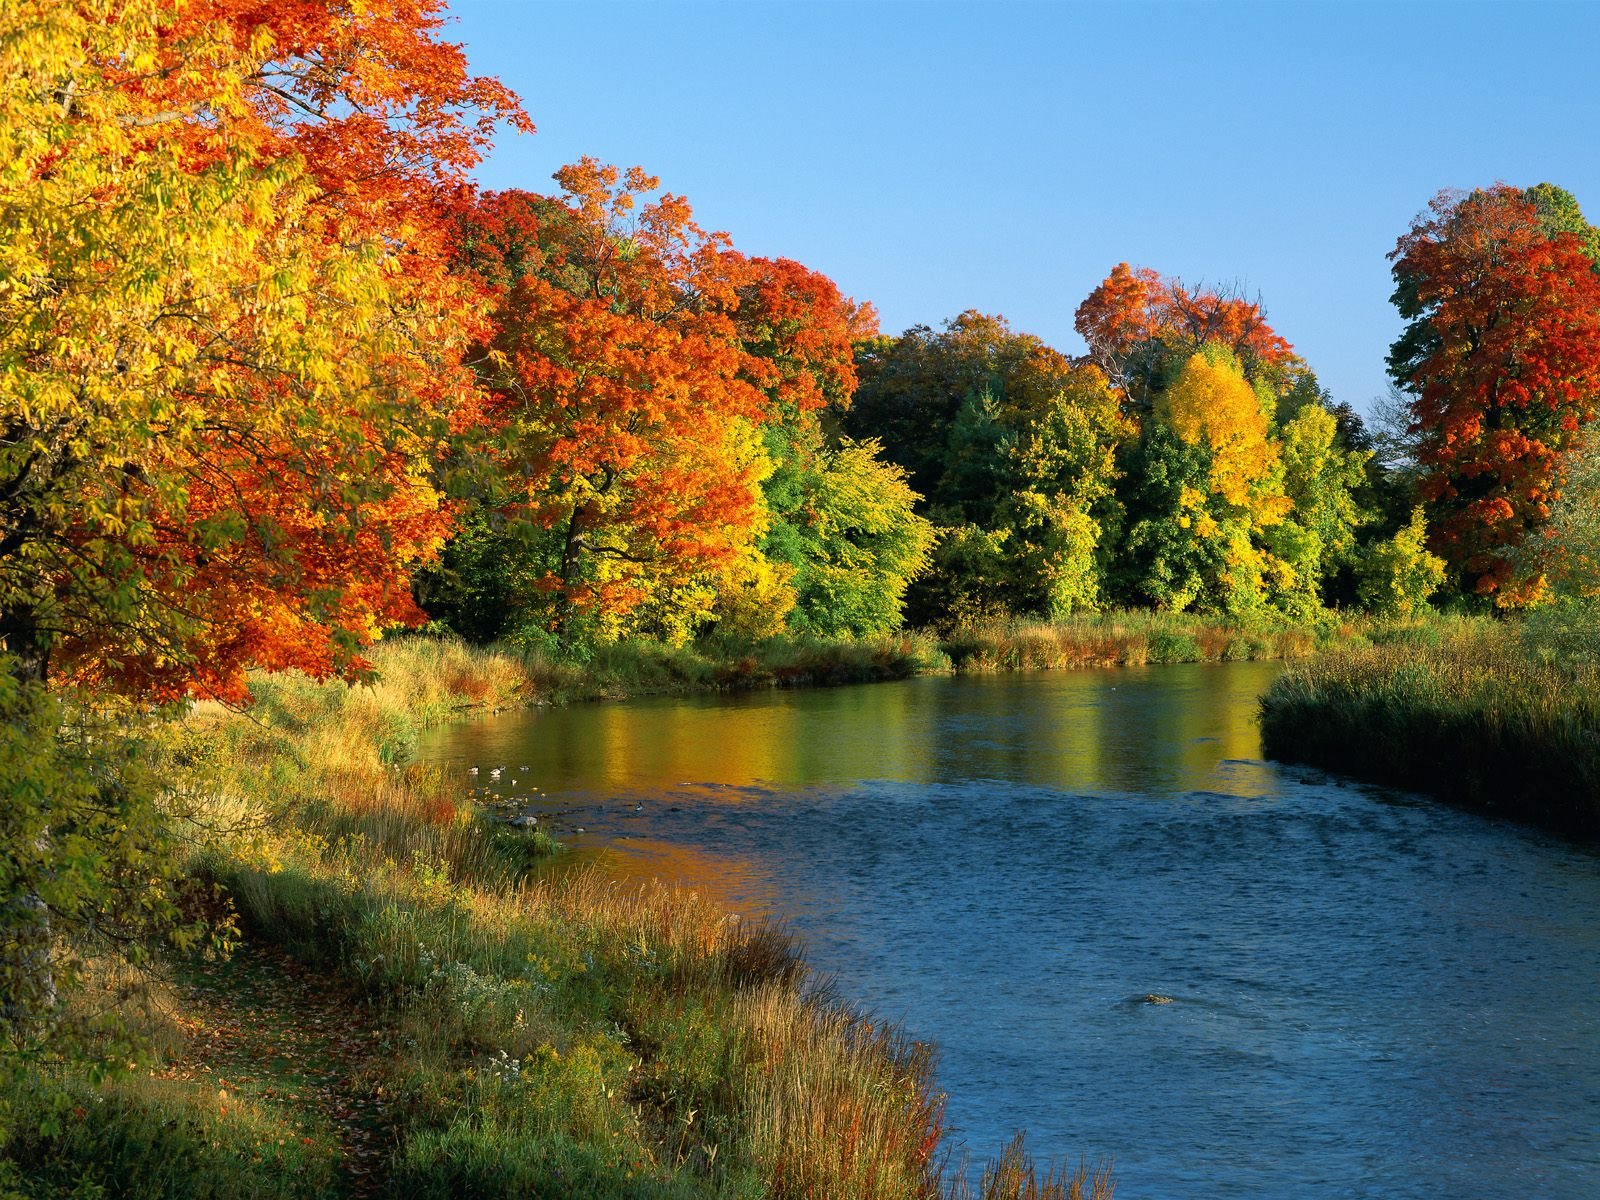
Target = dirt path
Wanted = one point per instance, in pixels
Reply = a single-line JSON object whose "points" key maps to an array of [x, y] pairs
{"points": [[263, 1026]]}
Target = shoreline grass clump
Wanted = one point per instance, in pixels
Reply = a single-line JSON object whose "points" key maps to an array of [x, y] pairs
{"points": [[1468, 711], [1129, 638], [531, 1033]]}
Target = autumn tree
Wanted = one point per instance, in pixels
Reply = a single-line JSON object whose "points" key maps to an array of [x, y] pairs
{"points": [[1012, 444], [1317, 537], [624, 403], [1210, 439], [229, 341], [1501, 362], [1140, 328], [801, 333], [862, 544]]}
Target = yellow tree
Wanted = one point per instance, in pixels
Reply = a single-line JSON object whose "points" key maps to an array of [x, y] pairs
{"points": [[1215, 517], [229, 345]]}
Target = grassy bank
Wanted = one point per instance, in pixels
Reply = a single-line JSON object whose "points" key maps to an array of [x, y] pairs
{"points": [[1125, 638], [485, 1030], [1467, 711], [1133, 638]]}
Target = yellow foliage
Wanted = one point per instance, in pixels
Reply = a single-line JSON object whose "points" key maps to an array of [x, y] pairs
{"points": [[756, 596], [1211, 404]]}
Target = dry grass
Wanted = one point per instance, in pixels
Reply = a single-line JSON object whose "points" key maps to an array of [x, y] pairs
{"points": [[1124, 639], [629, 1041], [1463, 710]]}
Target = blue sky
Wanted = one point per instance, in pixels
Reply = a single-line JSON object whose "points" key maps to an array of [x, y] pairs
{"points": [[938, 156]]}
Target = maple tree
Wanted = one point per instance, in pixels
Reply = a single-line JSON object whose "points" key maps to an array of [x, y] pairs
{"points": [[1135, 322], [1501, 362], [229, 332], [229, 341], [623, 400]]}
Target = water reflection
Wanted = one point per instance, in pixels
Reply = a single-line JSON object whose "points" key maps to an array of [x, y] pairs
{"points": [[1153, 730]]}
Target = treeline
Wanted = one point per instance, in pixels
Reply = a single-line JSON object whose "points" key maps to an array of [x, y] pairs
{"points": [[680, 439]]}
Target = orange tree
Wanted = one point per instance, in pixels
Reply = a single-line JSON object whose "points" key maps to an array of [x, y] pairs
{"points": [[1501, 361], [1142, 328], [229, 344], [624, 404]]}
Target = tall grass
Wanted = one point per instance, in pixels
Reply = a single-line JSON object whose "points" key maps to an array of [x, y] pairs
{"points": [[546, 1033], [727, 662], [1465, 710], [1131, 638]]}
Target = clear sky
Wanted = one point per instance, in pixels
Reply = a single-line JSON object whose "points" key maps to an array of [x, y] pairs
{"points": [[937, 156]]}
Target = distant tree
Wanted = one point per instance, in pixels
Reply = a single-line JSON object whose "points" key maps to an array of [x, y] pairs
{"points": [[864, 543], [1322, 480], [1141, 327], [1501, 361], [1399, 574], [912, 387]]}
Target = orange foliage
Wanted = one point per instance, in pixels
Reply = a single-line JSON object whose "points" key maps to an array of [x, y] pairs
{"points": [[803, 331], [620, 383], [244, 496], [1133, 306], [1503, 363]]}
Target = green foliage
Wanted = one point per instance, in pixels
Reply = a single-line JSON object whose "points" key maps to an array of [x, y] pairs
{"points": [[1398, 575], [483, 585], [1565, 627], [1559, 213], [1171, 555], [89, 858], [862, 545], [159, 1140]]}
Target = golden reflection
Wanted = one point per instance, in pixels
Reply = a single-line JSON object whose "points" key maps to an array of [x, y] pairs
{"points": [[744, 885], [1153, 730]]}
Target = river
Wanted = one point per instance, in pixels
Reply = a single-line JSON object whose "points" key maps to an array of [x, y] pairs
{"points": [[1372, 994]]}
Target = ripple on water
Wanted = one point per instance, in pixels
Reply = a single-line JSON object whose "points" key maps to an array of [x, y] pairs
{"points": [[1370, 994]]}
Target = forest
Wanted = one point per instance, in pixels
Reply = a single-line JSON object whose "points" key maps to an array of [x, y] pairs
{"points": [[279, 383]]}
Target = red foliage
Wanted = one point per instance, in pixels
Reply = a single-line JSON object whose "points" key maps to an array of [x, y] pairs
{"points": [[1133, 306], [803, 332], [300, 510], [618, 378], [1503, 364]]}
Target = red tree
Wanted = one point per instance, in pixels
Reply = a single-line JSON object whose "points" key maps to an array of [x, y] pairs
{"points": [[1133, 307], [1502, 362], [243, 337], [622, 395]]}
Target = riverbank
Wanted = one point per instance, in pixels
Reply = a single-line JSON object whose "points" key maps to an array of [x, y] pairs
{"points": [[504, 1032], [1464, 710], [1112, 639]]}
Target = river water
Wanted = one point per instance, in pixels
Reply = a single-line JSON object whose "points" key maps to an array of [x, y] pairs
{"points": [[1372, 994]]}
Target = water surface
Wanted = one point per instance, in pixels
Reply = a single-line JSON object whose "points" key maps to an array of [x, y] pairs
{"points": [[1373, 995]]}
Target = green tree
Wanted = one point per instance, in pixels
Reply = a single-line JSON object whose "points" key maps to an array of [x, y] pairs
{"points": [[863, 544], [1398, 574], [1322, 481]]}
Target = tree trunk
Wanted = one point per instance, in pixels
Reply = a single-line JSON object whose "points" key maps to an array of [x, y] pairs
{"points": [[571, 560], [27, 980]]}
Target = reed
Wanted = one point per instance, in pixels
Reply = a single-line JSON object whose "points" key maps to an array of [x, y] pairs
{"points": [[1132, 638], [1468, 711]]}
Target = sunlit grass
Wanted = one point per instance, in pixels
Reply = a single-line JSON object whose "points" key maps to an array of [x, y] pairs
{"points": [[1466, 710], [1131, 638], [542, 1031]]}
